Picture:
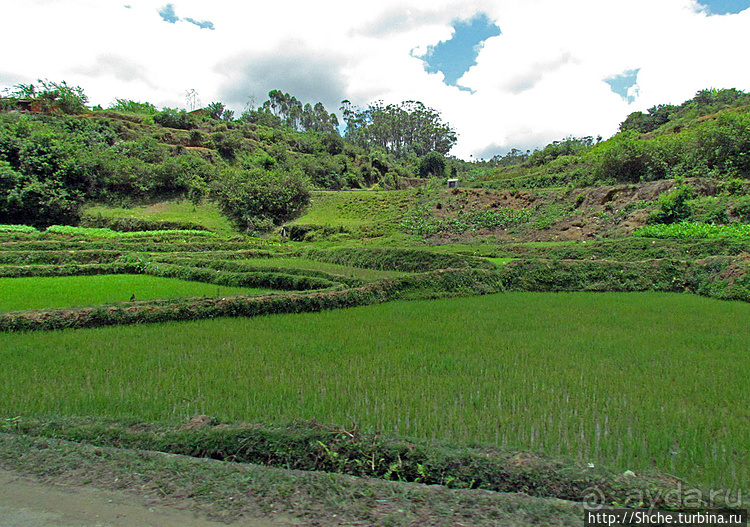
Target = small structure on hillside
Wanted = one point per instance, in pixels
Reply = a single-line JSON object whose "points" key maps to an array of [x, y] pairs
{"points": [[452, 183]]}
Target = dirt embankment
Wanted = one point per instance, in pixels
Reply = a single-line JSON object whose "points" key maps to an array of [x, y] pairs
{"points": [[567, 214]]}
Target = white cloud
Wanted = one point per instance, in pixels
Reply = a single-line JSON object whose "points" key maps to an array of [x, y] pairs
{"points": [[540, 80]]}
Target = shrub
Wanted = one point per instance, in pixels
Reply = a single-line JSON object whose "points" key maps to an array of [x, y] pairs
{"points": [[673, 205], [741, 209], [255, 200], [180, 119]]}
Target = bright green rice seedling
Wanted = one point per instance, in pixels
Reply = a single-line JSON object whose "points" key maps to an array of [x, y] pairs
{"points": [[605, 378], [691, 230], [17, 228], [91, 232], [68, 291]]}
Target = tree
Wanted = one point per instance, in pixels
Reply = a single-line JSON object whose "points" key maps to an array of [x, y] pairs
{"points": [[402, 129], [41, 179], [192, 101], [172, 118], [284, 109], [215, 110], [54, 95], [432, 165], [644, 123]]}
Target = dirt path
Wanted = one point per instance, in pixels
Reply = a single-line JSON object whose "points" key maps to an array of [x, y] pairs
{"points": [[27, 503]]}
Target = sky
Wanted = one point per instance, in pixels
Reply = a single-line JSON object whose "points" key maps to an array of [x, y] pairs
{"points": [[503, 73]]}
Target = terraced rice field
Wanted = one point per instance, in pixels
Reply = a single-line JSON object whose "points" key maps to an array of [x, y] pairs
{"points": [[636, 381], [76, 291]]}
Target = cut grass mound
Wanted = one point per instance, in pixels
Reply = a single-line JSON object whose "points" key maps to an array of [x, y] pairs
{"points": [[310, 446], [225, 491]]}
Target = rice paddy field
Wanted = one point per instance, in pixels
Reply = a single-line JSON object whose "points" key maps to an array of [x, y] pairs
{"points": [[77, 291], [312, 265], [635, 381]]}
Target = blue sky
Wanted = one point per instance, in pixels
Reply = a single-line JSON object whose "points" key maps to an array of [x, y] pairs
{"points": [[624, 83], [504, 73], [725, 7], [456, 56], [168, 14]]}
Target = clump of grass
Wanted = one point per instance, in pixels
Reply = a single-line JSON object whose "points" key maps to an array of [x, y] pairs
{"points": [[312, 446], [227, 491]]}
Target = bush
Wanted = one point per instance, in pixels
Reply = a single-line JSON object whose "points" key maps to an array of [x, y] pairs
{"points": [[627, 158], [673, 205], [256, 200], [180, 119], [741, 209]]}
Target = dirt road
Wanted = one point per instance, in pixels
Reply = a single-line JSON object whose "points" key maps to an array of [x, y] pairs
{"points": [[27, 503]]}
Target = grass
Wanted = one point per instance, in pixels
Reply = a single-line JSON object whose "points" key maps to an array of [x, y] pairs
{"points": [[605, 378], [501, 261], [206, 214], [69, 291], [17, 228], [358, 209]]}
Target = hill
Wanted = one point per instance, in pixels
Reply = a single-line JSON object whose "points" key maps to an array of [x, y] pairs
{"points": [[259, 169]]}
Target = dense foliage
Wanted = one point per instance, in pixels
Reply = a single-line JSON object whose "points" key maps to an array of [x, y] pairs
{"points": [[257, 201], [709, 135], [402, 129], [56, 155]]}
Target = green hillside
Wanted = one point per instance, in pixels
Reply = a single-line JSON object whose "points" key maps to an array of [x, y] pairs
{"points": [[66, 164]]}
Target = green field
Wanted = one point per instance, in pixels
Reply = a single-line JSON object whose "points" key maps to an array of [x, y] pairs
{"points": [[69, 291], [634, 381]]}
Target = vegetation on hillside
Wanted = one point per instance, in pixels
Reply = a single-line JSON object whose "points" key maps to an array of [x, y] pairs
{"points": [[706, 136], [260, 167]]}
